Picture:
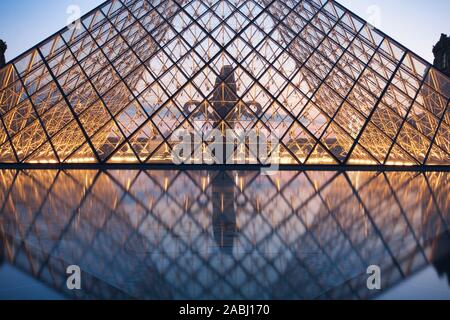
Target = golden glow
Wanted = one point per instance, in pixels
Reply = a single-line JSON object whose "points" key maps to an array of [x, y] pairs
{"points": [[105, 217], [123, 105]]}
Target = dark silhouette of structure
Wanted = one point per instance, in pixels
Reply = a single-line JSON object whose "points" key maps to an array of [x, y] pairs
{"points": [[2, 248], [224, 212], [441, 255], [224, 99], [441, 53], [3, 48], [225, 92]]}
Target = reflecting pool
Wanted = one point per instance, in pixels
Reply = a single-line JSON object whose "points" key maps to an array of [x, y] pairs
{"points": [[163, 234]]}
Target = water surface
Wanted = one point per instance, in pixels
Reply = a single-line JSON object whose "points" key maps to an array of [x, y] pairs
{"points": [[165, 234]]}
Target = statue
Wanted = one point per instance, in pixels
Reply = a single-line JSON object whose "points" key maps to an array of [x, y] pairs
{"points": [[3, 48], [224, 99], [441, 53]]}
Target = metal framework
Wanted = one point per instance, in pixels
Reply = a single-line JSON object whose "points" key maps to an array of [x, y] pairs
{"points": [[217, 235], [113, 87]]}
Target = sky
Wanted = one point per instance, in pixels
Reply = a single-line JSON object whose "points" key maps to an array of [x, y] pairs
{"points": [[417, 24]]}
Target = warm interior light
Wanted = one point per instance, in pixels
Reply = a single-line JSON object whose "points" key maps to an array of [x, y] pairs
{"points": [[312, 107]]}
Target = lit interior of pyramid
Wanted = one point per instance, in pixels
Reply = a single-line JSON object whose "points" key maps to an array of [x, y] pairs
{"points": [[115, 86]]}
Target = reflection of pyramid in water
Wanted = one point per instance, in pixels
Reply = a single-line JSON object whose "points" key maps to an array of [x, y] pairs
{"points": [[331, 88]]}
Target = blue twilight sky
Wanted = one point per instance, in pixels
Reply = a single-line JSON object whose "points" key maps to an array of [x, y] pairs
{"points": [[417, 24]]}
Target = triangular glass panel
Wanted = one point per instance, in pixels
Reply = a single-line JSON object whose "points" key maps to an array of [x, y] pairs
{"points": [[123, 154], [320, 156], [299, 141], [44, 154], [7, 153], [361, 157], [438, 156], [84, 154], [162, 155], [107, 140], [145, 141]]}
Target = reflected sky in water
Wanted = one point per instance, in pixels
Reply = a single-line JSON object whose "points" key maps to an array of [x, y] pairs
{"points": [[223, 235]]}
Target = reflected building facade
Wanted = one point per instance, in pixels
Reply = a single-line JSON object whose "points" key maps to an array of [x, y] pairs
{"points": [[224, 235]]}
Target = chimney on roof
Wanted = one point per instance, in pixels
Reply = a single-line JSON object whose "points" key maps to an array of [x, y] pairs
{"points": [[3, 48], [441, 53]]}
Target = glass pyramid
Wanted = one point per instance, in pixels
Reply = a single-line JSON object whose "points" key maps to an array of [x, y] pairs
{"points": [[115, 86]]}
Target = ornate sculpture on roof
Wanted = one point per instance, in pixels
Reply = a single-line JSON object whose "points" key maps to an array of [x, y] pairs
{"points": [[441, 53], [3, 48]]}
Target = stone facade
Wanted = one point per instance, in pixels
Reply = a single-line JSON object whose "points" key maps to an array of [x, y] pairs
{"points": [[441, 53]]}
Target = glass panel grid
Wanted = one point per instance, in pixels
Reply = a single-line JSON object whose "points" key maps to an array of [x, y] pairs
{"points": [[334, 89]]}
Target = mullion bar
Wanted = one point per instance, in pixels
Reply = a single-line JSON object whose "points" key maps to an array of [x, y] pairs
{"points": [[42, 125], [294, 118], [283, 51], [117, 58], [239, 65], [363, 129], [114, 87], [403, 213], [72, 218], [100, 96], [374, 225], [243, 227], [433, 140], [404, 120], [86, 58], [345, 99], [99, 19], [156, 112], [197, 73], [246, 23], [381, 53], [86, 136], [8, 140], [378, 31], [131, 91]]}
